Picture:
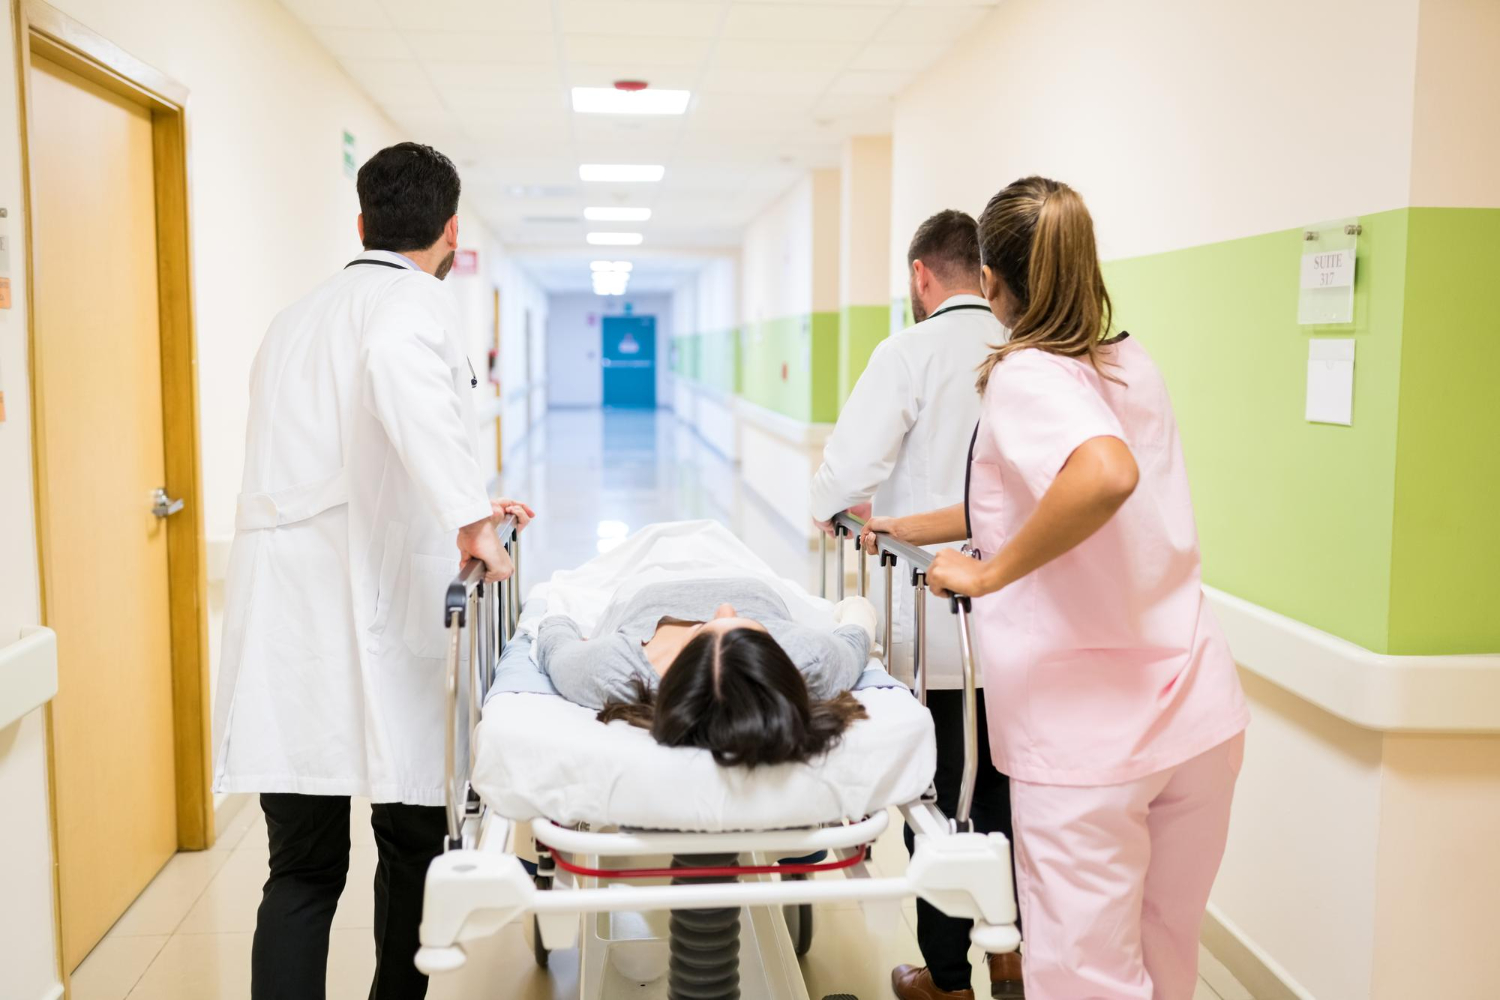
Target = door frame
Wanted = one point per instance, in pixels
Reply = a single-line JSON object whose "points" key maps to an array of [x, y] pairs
{"points": [[44, 30]]}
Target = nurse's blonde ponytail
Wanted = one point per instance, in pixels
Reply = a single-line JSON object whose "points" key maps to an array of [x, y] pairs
{"points": [[1036, 235]]}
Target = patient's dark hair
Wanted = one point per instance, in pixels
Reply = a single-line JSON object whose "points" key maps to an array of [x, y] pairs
{"points": [[736, 693]]}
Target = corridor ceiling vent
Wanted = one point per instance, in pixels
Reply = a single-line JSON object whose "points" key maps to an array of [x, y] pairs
{"points": [[630, 97], [615, 239], [621, 173], [616, 214]]}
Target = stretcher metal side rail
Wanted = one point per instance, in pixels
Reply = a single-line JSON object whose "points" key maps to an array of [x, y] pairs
{"points": [[479, 886], [494, 609], [891, 550]]}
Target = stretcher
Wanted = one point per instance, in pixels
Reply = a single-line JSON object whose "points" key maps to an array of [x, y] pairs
{"points": [[717, 905]]}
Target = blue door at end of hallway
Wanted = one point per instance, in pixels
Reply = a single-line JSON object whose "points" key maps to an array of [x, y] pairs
{"points": [[629, 361]]}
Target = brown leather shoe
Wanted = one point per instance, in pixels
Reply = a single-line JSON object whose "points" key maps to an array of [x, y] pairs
{"points": [[912, 982], [1005, 976]]}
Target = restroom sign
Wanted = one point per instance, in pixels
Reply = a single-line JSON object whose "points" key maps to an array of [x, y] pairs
{"points": [[1328, 269]]}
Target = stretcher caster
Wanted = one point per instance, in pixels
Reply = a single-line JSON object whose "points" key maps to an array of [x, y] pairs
{"points": [[799, 921], [538, 950]]}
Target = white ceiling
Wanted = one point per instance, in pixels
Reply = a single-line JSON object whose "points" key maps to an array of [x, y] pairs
{"points": [[776, 87]]}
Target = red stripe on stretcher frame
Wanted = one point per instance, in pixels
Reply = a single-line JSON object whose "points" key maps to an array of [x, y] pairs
{"points": [[628, 873]]}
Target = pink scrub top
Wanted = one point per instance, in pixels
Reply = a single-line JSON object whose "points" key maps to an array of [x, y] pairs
{"points": [[1106, 664]]}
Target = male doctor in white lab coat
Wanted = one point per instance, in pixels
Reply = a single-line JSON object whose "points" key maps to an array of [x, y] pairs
{"points": [[903, 439], [361, 473]]}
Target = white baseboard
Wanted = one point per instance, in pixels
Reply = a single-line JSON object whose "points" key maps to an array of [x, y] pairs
{"points": [[1257, 971]]}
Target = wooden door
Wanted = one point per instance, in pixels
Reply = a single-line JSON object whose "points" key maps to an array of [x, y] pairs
{"points": [[94, 246]]}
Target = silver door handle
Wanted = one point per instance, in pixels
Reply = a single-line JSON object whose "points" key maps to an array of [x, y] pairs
{"points": [[164, 506]]}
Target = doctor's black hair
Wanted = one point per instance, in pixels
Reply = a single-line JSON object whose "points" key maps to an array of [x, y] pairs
{"points": [[948, 245], [407, 194], [738, 695]]}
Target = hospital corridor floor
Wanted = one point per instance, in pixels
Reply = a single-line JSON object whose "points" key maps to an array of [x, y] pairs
{"points": [[593, 477]]}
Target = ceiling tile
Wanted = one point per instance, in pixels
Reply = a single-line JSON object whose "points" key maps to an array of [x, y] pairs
{"points": [[768, 55], [471, 15], [337, 13], [520, 83], [870, 82], [650, 18], [348, 44], [933, 25], [898, 56], [819, 21], [497, 47], [749, 81], [674, 52]]}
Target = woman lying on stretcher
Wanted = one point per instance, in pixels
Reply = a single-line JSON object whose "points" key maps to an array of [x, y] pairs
{"points": [[716, 664]]}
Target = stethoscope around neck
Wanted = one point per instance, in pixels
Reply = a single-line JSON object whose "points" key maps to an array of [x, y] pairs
{"points": [[473, 375]]}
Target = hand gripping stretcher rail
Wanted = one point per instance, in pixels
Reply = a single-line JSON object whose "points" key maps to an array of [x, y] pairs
{"points": [[721, 914]]}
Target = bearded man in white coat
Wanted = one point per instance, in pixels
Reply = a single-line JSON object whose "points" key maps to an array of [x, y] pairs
{"points": [[361, 477], [901, 444]]}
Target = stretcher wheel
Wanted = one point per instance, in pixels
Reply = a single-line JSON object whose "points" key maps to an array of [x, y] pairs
{"points": [[799, 921], [538, 950]]}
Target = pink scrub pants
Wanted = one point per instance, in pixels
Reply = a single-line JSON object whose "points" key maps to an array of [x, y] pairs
{"points": [[1113, 880]]}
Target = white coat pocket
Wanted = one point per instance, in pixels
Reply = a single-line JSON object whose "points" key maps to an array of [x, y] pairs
{"points": [[390, 569], [425, 634]]}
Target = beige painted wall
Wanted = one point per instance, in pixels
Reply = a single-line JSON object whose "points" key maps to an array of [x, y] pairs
{"points": [[1195, 123], [1456, 142], [776, 260], [825, 236], [1438, 904], [1297, 881], [865, 217], [272, 214]]}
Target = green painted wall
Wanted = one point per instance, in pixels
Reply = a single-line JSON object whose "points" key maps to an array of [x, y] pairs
{"points": [[1293, 516], [1445, 560], [861, 328], [790, 365]]}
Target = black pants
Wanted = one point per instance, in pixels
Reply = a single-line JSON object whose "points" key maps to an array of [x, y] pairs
{"points": [[944, 940], [309, 861]]}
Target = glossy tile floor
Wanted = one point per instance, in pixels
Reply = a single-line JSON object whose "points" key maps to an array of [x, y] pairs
{"points": [[592, 477]]}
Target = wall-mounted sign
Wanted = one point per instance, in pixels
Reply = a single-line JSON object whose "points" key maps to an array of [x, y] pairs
{"points": [[1325, 292], [1328, 269], [465, 263], [351, 159]]}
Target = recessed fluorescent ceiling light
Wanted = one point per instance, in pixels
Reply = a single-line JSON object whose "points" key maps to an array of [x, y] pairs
{"points": [[614, 239], [621, 172], [611, 265], [610, 101], [617, 214]]}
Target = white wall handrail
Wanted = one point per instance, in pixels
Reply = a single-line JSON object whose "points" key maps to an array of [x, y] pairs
{"points": [[1409, 694], [28, 673]]}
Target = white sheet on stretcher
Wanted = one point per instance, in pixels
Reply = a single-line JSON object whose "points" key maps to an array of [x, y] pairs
{"points": [[673, 550], [539, 755]]}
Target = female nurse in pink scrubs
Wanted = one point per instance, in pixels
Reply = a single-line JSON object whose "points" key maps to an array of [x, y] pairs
{"points": [[1113, 702]]}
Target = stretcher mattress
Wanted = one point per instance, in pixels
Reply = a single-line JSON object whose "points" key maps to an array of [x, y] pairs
{"points": [[539, 755]]}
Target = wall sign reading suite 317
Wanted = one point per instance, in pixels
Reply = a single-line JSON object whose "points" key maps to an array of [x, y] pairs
{"points": [[1326, 288]]}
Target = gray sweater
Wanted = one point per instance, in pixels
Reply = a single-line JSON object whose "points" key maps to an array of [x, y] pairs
{"points": [[603, 668]]}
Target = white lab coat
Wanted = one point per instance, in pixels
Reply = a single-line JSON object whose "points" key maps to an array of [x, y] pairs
{"points": [[903, 439], [360, 465]]}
